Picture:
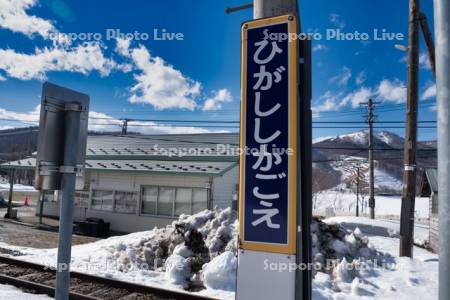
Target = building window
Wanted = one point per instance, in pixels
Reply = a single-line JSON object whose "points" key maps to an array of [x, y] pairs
{"points": [[102, 200], [49, 196], [81, 198], [199, 200], [149, 198], [125, 202], [165, 201], [183, 201], [173, 201]]}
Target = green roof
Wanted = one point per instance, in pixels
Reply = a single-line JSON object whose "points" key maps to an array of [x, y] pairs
{"points": [[197, 168], [432, 179], [206, 147]]}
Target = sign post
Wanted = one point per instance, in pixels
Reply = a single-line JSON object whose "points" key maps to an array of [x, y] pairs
{"points": [[268, 231], [60, 160]]}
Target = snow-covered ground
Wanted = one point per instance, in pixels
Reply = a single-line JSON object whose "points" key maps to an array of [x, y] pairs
{"points": [[337, 203], [8, 292], [4, 186], [195, 248], [383, 180], [381, 227], [201, 249], [397, 278]]}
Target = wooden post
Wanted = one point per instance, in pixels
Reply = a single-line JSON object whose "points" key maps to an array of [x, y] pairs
{"points": [[409, 172]]}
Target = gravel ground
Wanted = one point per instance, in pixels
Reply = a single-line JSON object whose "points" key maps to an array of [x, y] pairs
{"points": [[26, 236]]}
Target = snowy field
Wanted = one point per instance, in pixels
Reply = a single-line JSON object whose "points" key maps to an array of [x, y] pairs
{"points": [[343, 203], [201, 250], [17, 187], [400, 278], [12, 293], [170, 257]]}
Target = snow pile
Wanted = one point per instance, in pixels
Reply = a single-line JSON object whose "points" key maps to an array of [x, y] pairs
{"points": [[5, 186], [220, 273], [333, 246], [182, 249], [353, 256], [376, 272], [13, 293]]}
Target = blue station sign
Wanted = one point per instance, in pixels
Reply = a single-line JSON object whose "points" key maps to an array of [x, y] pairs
{"points": [[269, 135]]}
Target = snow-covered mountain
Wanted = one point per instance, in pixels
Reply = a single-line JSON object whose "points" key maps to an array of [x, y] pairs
{"points": [[337, 158]]}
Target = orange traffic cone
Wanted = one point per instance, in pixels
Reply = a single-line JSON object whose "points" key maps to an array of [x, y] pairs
{"points": [[25, 201]]}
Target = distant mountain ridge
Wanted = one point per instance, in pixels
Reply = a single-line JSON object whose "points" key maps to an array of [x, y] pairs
{"points": [[337, 158]]}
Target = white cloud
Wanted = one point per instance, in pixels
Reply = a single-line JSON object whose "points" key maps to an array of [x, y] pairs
{"points": [[386, 91], [335, 102], [159, 83], [361, 77], [429, 93], [215, 102], [99, 122], [123, 46], [424, 61], [328, 102], [337, 21], [392, 91], [82, 59], [343, 77], [319, 47], [28, 118], [357, 97], [13, 16]]}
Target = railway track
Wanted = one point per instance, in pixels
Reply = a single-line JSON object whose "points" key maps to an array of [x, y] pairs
{"points": [[36, 278]]}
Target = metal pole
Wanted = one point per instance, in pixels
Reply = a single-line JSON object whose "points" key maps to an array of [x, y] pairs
{"points": [[428, 41], [409, 173], [124, 126], [265, 9], [442, 33], [305, 180], [271, 8], [11, 191], [230, 10], [41, 205], [357, 191], [72, 123], [371, 168]]}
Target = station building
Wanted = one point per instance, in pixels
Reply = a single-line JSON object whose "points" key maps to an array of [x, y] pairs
{"points": [[429, 188], [137, 182]]}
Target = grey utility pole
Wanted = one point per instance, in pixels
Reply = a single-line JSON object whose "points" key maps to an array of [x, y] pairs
{"points": [[271, 8], [371, 171], [357, 191], [428, 41], [72, 134], [370, 119], [124, 126], [409, 172], [11, 191], [442, 33]]}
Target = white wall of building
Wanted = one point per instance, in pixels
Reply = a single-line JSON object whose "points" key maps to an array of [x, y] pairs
{"points": [[221, 190], [224, 186]]}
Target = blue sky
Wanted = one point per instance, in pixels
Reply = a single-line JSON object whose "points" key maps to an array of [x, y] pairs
{"points": [[198, 77]]}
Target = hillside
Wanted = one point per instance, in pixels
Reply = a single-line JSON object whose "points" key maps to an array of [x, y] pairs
{"points": [[336, 160]]}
